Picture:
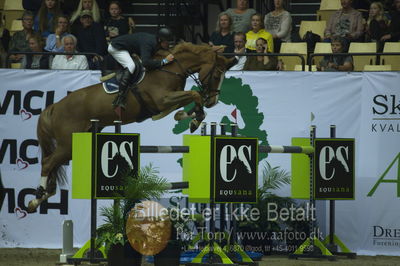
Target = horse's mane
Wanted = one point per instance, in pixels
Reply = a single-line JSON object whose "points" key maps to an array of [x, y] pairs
{"points": [[190, 47]]}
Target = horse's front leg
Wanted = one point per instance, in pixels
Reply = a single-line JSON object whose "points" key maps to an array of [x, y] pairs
{"points": [[178, 99]]}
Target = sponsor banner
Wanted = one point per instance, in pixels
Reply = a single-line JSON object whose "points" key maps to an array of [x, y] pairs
{"points": [[334, 169], [116, 155], [270, 106], [235, 170]]}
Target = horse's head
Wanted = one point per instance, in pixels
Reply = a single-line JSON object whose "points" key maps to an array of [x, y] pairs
{"points": [[211, 76], [211, 68]]}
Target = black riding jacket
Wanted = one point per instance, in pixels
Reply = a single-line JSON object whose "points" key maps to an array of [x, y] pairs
{"points": [[143, 44]]}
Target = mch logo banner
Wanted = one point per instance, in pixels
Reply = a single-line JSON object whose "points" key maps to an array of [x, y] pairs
{"points": [[116, 155], [235, 169]]}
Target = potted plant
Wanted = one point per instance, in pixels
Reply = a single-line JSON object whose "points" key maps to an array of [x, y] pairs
{"points": [[146, 184]]}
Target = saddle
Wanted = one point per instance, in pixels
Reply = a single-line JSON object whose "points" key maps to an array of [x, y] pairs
{"points": [[111, 78]]}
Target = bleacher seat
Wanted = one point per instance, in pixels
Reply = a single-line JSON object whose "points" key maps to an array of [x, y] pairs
{"points": [[16, 25], [327, 8], [361, 61], [299, 68], [393, 60], [321, 48], [293, 47], [377, 68], [317, 27], [12, 10]]}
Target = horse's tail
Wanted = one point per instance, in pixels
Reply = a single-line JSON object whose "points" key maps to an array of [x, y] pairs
{"points": [[47, 143]]}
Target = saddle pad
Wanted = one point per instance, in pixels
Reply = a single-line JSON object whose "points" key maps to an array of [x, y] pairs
{"points": [[111, 85]]}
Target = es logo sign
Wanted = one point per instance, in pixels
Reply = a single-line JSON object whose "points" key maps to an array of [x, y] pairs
{"points": [[235, 169], [334, 169], [115, 155]]}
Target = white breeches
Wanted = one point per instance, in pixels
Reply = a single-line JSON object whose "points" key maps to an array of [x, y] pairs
{"points": [[122, 57]]}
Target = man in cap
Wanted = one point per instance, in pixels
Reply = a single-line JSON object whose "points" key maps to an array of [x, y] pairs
{"points": [[144, 45], [91, 38]]}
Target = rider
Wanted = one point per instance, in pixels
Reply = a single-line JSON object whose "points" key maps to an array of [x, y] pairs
{"points": [[145, 45]]}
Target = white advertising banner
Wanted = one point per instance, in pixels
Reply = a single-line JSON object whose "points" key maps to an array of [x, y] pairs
{"points": [[273, 106]]}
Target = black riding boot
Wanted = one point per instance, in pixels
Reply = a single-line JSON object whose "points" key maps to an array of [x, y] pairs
{"points": [[124, 83]]}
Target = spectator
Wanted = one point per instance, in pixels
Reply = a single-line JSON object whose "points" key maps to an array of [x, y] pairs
{"points": [[346, 22], [394, 27], [32, 5], [337, 62], [240, 43], [86, 5], [69, 61], [35, 61], [261, 62], [4, 43], [91, 39], [377, 25], [241, 16], [44, 21], [223, 34], [279, 24], [53, 41], [257, 32], [19, 41], [116, 24]]}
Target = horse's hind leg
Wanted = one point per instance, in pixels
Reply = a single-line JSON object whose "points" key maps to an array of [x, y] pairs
{"points": [[51, 163]]}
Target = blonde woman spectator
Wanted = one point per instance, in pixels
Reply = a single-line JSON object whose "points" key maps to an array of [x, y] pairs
{"points": [[87, 5], [19, 41], [241, 16], [61, 29], [35, 61], [257, 32], [69, 61], [44, 21], [346, 22], [377, 25], [223, 34], [279, 24]]}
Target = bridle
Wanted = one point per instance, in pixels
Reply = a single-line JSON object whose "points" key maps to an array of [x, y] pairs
{"points": [[204, 87]]}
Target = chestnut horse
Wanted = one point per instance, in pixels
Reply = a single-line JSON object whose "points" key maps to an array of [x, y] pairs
{"points": [[160, 93]]}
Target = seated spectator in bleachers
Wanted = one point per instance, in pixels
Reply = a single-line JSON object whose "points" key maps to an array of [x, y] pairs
{"points": [[116, 25], [261, 62], [377, 25], [257, 31], [223, 34], [4, 44], [241, 16], [394, 27], [279, 24], [44, 20], [91, 39], [19, 41], [90, 5], [346, 22], [240, 42], [69, 61], [61, 29], [337, 62], [35, 61]]}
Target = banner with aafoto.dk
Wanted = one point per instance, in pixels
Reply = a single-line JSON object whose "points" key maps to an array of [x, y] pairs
{"points": [[270, 106]]}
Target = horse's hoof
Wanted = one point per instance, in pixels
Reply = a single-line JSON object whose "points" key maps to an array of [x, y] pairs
{"points": [[32, 206], [180, 115], [194, 124]]}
